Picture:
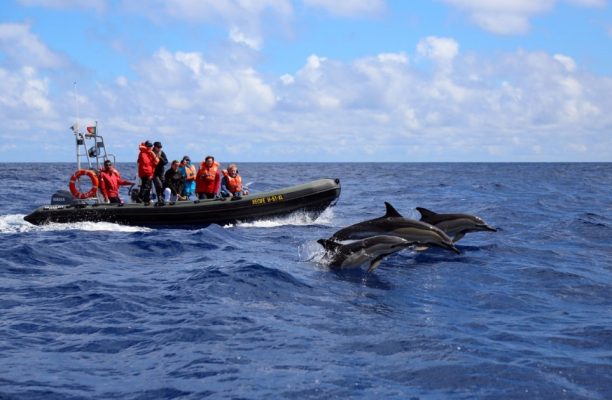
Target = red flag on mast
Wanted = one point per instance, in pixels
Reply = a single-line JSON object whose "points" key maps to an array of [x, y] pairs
{"points": [[91, 130]]}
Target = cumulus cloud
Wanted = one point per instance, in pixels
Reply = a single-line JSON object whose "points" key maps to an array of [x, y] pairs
{"points": [[434, 103], [237, 36], [518, 102], [24, 89], [349, 8], [25, 98], [182, 94], [22, 47], [442, 51]]}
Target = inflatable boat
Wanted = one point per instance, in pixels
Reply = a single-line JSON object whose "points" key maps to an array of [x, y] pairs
{"points": [[79, 205], [312, 198]]}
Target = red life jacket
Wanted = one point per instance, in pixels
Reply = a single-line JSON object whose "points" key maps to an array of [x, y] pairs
{"points": [[208, 179], [147, 160], [234, 184], [110, 181]]}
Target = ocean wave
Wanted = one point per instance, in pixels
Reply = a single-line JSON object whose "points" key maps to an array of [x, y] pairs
{"points": [[299, 218]]}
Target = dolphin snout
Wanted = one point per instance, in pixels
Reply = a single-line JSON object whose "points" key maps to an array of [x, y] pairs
{"points": [[486, 227]]}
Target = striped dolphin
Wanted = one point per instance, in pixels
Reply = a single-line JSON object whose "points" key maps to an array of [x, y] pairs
{"points": [[394, 224], [455, 225], [369, 251]]}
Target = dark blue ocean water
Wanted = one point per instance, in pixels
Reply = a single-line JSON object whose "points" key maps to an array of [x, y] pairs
{"points": [[97, 310]]}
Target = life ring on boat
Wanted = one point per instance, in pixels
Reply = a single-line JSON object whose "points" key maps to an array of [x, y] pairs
{"points": [[94, 184]]}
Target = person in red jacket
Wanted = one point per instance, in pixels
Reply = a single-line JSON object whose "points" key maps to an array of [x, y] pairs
{"points": [[208, 180], [110, 180], [147, 160]]}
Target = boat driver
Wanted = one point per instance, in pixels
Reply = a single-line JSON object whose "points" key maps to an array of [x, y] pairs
{"points": [[110, 180]]}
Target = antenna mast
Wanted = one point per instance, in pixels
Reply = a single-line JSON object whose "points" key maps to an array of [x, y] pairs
{"points": [[75, 128]]}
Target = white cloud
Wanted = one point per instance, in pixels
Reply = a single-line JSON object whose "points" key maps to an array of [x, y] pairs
{"points": [[504, 17], [186, 81], [400, 58], [23, 89], [440, 50], [349, 8], [511, 17], [287, 79], [521, 103], [387, 106], [22, 47], [246, 19], [25, 103], [237, 36], [568, 62]]}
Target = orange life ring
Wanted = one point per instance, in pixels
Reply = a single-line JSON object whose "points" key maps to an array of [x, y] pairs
{"points": [[94, 184]]}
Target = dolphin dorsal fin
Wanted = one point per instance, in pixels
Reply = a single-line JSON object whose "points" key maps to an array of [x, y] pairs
{"points": [[391, 211], [425, 212], [329, 245]]}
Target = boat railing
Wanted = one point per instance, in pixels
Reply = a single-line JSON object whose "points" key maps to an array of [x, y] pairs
{"points": [[91, 152]]}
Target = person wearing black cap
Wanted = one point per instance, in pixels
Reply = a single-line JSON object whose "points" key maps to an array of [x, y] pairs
{"points": [[158, 177], [147, 160]]}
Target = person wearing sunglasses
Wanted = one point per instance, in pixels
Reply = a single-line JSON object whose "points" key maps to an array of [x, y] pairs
{"points": [[110, 180]]}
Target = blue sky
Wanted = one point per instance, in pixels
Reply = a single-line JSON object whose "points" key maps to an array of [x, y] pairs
{"points": [[309, 80]]}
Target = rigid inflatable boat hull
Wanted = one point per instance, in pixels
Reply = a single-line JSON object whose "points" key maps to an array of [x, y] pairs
{"points": [[313, 198]]}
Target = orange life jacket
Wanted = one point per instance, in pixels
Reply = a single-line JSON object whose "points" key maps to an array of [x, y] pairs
{"points": [[234, 184], [190, 172], [208, 180]]}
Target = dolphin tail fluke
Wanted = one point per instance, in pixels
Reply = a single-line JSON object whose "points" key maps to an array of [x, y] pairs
{"points": [[328, 245], [391, 211], [425, 213]]}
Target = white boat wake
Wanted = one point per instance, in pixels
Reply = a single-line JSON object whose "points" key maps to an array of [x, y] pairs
{"points": [[14, 223]]}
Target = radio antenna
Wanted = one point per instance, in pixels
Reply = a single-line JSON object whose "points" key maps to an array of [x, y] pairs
{"points": [[76, 105]]}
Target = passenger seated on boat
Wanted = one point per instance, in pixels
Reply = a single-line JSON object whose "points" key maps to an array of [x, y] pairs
{"points": [[188, 171], [208, 180], [110, 180], [173, 183], [231, 184]]}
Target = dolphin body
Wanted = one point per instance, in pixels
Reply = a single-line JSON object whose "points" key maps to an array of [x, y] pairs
{"points": [[455, 225], [360, 252], [394, 224]]}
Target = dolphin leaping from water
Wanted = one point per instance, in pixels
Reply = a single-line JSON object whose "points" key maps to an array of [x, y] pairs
{"points": [[394, 224], [455, 225], [369, 251]]}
